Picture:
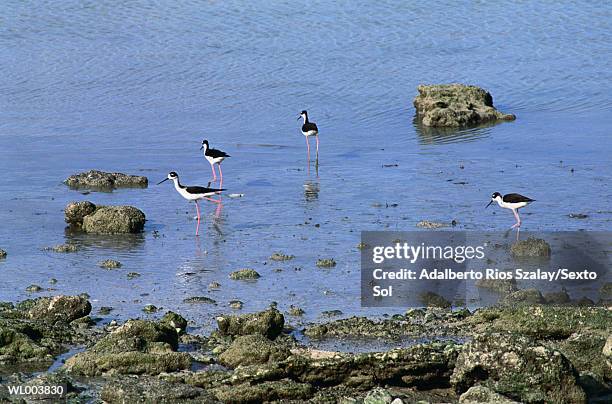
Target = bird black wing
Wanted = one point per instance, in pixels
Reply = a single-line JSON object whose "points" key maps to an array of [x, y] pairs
{"points": [[516, 198], [216, 153], [202, 190], [307, 127]]}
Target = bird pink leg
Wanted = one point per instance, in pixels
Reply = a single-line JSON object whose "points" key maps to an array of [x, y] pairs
{"points": [[212, 167], [212, 200], [221, 175], [307, 147], [198, 211], [518, 219]]}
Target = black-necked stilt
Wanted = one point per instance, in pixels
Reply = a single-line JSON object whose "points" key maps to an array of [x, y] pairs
{"points": [[309, 129], [513, 202], [194, 193], [214, 156]]}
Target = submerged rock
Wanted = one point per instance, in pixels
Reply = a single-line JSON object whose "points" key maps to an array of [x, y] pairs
{"points": [[431, 299], [2, 254], [253, 350], [150, 308], [244, 274], [326, 263], [199, 299], [100, 180], [532, 247], [295, 311], [456, 105], [76, 211], [34, 288], [428, 224], [278, 256], [64, 248], [268, 323], [114, 220], [517, 367], [110, 264]]}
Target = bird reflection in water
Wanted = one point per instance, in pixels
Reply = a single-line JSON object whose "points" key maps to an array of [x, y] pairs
{"points": [[311, 190]]}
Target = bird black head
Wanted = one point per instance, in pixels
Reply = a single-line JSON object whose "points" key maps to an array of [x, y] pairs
{"points": [[494, 197], [171, 176], [204, 143], [303, 114]]}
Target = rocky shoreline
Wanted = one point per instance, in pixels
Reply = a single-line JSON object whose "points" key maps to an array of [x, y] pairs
{"points": [[508, 353]]}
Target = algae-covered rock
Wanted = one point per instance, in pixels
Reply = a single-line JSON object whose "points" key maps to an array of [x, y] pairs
{"points": [[278, 256], [295, 311], [268, 323], [244, 274], [33, 288], [2, 254], [152, 390], [64, 248], [585, 349], [264, 392], [100, 180], [176, 321], [378, 396], [484, 395], [150, 308], [456, 105], [428, 224], [532, 247], [605, 291], [76, 211], [137, 347], [236, 304], [431, 299], [326, 263], [60, 308], [524, 296], [607, 349], [517, 367], [560, 297], [110, 264], [252, 350], [114, 220], [199, 300], [503, 286]]}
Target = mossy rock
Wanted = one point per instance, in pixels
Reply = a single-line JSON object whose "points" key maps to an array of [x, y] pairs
{"points": [[176, 321], [59, 308], [244, 274], [152, 390], [278, 256], [2, 254], [114, 220], [431, 299], [76, 211], [326, 263], [532, 247], [268, 323], [253, 350], [278, 390], [110, 264], [523, 297], [199, 300]]}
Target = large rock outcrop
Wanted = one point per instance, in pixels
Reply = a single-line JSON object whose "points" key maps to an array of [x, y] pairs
{"points": [[100, 180], [456, 105], [104, 219]]}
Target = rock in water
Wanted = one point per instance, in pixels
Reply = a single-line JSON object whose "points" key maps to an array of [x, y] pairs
{"points": [[101, 180], [456, 105], [60, 308], [268, 323], [76, 211], [532, 247], [114, 220]]}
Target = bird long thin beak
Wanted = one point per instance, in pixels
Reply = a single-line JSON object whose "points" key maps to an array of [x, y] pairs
{"points": [[201, 147], [490, 202], [299, 117], [164, 180]]}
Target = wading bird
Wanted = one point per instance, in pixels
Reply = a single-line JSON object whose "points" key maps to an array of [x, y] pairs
{"points": [[309, 129], [513, 202], [194, 193], [214, 156]]}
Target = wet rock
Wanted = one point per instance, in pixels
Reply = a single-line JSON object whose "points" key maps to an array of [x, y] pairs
{"points": [[295, 311], [52, 281], [483, 395], [133, 275], [607, 349], [331, 313], [428, 224], [150, 308], [605, 291], [176, 321], [76, 211], [577, 216], [268, 323], [378, 396], [137, 347], [502, 286], [110, 264], [244, 274], [278, 256], [532, 247], [560, 297], [431, 299], [2, 254], [540, 322], [100, 180], [264, 392], [456, 105], [517, 367], [236, 304], [214, 285], [105, 310], [199, 300], [64, 248], [60, 309], [585, 349], [326, 263], [524, 296], [152, 390], [114, 220], [253, 350], [33, 289]]}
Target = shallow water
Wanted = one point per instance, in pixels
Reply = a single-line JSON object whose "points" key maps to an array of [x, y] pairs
{"points": [[134, 87]]}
